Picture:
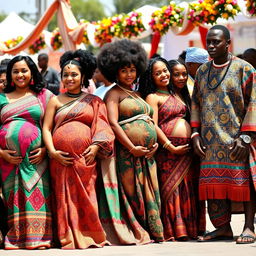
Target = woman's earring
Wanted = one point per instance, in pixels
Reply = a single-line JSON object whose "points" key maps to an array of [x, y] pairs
{"points": [[31, 81], [12, 84]]}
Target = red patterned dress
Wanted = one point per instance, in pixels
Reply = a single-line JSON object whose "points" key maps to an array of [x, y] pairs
{"points": [[179, 208], [79, 124]]}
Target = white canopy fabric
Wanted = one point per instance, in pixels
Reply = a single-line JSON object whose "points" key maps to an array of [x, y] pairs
{"points": [[13, 26]]}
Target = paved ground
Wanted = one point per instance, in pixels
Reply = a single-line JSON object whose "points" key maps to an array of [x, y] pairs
{"points": [[192, 248]]}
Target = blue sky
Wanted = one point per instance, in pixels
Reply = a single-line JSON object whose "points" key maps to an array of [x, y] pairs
{"points": [[29, 5]]}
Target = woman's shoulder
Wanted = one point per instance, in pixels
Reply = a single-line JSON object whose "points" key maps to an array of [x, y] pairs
{"points": [[46, 92], [45, 95], [92, 99], [152, 97], [114, 92]]}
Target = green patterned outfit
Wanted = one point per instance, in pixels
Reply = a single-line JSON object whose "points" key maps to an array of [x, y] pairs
{"points": [[138, 191], [25, 186]]}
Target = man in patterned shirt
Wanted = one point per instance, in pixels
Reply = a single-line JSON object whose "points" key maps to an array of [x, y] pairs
{"points": [[223, 120]]}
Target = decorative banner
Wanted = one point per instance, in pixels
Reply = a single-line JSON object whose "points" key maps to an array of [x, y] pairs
{"points": [[203, 32], [180, 18], [35, 33], [154, 43], [91, 28]]}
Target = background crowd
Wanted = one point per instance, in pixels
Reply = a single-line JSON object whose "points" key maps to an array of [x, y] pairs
{"points": [[133, 161]]}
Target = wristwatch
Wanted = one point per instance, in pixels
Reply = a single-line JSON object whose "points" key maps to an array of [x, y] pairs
{"points": [[245, 138]]}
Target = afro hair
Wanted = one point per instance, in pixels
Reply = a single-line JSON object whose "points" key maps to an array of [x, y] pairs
{"points": [[119, 54]]}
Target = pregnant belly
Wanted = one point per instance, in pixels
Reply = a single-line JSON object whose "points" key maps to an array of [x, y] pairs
{"points": [[20, 136], [181, 129], [141, 133], [73, 137]]}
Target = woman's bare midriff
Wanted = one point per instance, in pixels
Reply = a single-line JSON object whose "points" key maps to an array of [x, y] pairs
{"points": [[182, 129]]}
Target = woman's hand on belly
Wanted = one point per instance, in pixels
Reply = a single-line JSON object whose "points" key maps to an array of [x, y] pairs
{"points": [[90, 153], [8, 156], [179, 150], [62, 157], [139, 151], [152, 151], [37, 155]]}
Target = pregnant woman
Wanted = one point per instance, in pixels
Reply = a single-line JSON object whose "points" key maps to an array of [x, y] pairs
{"points": [[130, 117], [23, 161], [76, 130], [166, 91]]}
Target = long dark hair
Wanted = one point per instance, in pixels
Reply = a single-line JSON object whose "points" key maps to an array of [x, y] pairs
{"points": [[184, 91], [146, 82], [38, 84]]}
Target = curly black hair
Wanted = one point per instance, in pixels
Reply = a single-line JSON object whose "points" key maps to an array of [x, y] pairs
{"points": [[146, 82], [38, 84], [119, 54], [84, 60]]}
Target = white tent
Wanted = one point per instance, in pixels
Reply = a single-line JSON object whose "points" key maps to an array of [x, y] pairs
{"points": [[243, 34], [13, 26]]}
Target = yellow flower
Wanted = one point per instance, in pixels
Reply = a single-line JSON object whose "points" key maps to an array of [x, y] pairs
{"points": [[234, 11], [225, 15]]}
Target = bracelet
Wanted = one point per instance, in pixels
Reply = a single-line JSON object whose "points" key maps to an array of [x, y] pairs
{"points": [[166, 144], [130, 151], [194, 134]]}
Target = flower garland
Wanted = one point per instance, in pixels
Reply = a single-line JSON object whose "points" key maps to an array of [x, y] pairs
{"points": [[132, 25], [251, 7], [85, 36], [56, 40], [208, 11], [13, 42], [166, 17], [109, 28], [38, 45]]}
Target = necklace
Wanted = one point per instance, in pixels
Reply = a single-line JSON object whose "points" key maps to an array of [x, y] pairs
{"points": [[124, 89], [73, 95], [162, 91], [220, 65], [208, 78]]}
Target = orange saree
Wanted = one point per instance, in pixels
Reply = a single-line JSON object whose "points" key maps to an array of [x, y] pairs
{"points": [[79, 124]]}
